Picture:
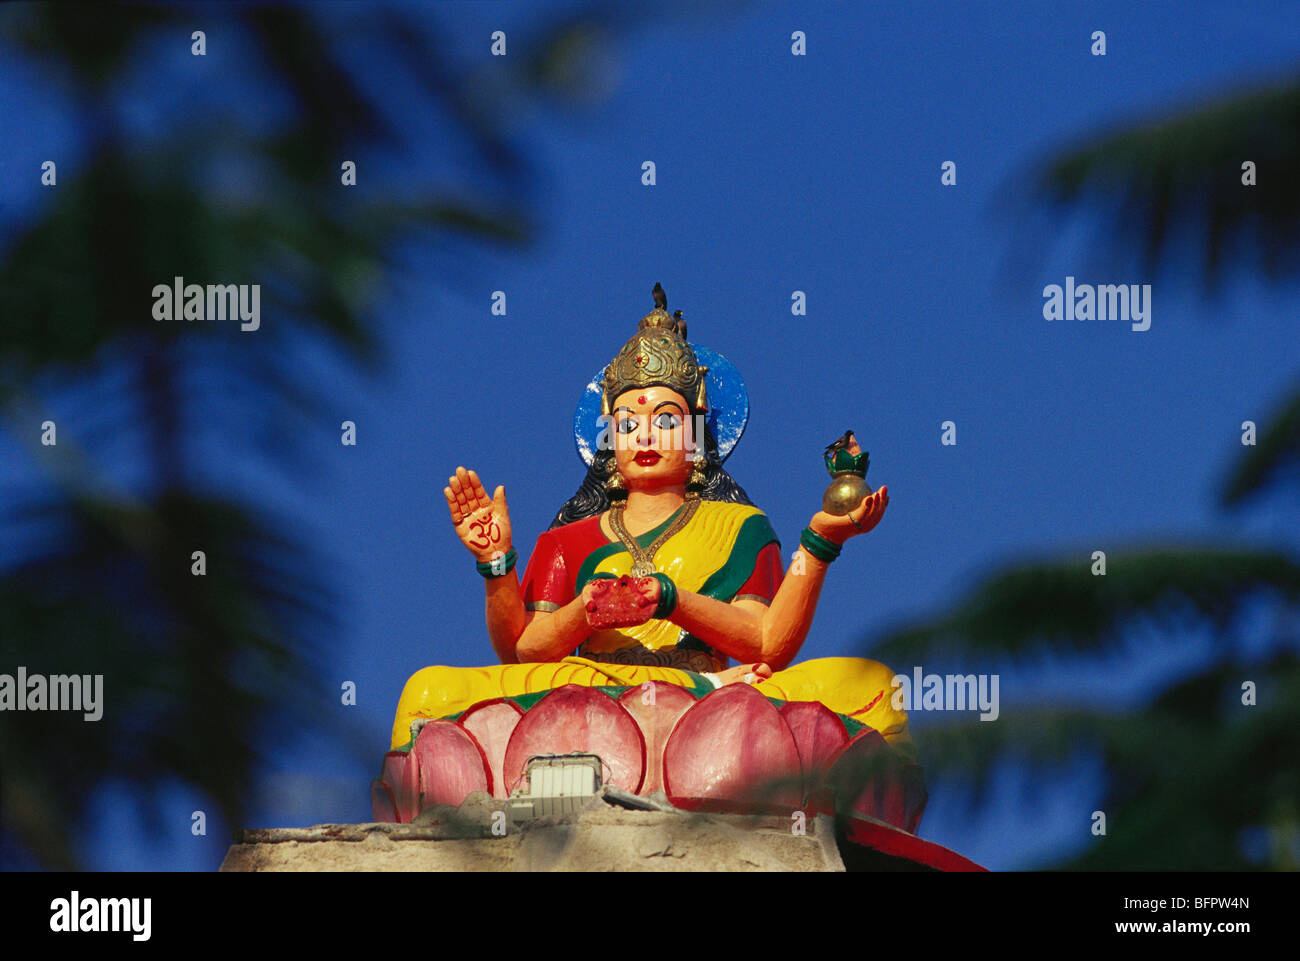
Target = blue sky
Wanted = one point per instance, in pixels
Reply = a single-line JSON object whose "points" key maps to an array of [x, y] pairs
{"points": [[778, 173]]}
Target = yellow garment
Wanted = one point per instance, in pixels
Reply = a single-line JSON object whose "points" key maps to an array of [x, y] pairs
{"points": [[691, 557], [852, 686]]}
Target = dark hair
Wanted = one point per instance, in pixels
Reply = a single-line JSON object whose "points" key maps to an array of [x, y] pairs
{"points": [[591, 498]]}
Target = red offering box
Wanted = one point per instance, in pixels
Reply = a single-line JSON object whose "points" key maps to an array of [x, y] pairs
{"points": [[621, 601]]}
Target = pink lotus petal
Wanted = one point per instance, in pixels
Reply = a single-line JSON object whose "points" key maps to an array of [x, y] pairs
{"points": [[727, 751], [819, 735], [575, 719], [868, 779], [656, 706], [491, 723], [402, 778], [450, 763], [382, 806]]}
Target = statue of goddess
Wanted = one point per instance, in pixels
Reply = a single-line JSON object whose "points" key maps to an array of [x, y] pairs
{"points": [[659, 568]]}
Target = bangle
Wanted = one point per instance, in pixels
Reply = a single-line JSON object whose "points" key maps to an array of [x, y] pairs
{"points": [[818, 546], [500, 566], [667, 595]]}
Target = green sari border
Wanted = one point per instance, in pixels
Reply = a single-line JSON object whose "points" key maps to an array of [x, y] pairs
{"points": [[755, 533]]}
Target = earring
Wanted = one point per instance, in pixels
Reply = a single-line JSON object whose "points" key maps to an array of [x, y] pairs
{"points": [[615, 489], [698, 479]]}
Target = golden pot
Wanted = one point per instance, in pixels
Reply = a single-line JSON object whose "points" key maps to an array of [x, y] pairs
{"points": [[846, 493]]}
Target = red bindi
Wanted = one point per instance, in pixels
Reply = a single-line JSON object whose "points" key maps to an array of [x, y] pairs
{"points": [[641, 399]]}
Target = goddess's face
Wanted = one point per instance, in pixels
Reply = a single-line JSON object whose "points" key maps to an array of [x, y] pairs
{"points": [[653, 436]]}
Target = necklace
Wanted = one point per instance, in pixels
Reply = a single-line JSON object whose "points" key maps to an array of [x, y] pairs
{"points": [[643, 560]]}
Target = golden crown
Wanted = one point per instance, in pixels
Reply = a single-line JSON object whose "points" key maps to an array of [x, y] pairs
{"points": [[658, 355]]}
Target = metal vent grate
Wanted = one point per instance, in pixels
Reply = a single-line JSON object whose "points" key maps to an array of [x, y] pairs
{"points": [[557, 784]]}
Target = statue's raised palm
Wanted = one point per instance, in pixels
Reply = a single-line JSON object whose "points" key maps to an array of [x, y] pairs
{"points": [[482, 523]]}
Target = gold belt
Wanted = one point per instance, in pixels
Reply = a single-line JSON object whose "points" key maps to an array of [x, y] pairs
{"points": [[697, 662]]}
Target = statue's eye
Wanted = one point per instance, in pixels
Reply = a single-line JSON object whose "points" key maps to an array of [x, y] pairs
{"points": [[667, 421], [626, 425]]}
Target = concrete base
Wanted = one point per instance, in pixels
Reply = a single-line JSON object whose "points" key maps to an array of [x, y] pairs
{"points": [[601, 837]]}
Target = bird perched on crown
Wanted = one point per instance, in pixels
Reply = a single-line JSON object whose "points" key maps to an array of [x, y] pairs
{"points": [[657, 353], [681, 324]]}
